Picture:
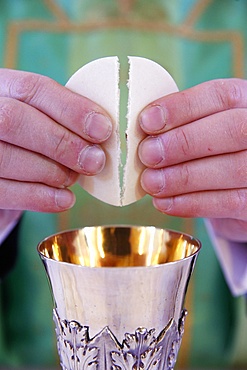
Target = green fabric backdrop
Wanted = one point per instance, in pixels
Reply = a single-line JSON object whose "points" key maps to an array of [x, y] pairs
{"points": [[195, 41]]}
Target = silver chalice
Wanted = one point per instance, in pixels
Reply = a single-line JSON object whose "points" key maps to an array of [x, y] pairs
{"points": [[119, 295]]}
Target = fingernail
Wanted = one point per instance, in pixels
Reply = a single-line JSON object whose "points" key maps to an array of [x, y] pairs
{"points": [[153, 118], [92, 159], [98, 126], [64, 199], [151, 151], [153, 181], [164, 205], [70, 179]]}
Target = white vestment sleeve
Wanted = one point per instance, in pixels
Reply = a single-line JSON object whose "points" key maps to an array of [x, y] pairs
{"points": [[8, 220], [233, 260]]}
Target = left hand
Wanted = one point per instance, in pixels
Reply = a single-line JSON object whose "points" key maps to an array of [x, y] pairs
{"points": [[196, 154], [49, 136]]}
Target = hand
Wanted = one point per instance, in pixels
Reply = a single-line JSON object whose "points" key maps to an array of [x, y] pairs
{"points": [[48, 136], [196, 154]]}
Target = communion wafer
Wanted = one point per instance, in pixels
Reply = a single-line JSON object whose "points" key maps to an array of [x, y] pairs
{"points": [[99, 81]]}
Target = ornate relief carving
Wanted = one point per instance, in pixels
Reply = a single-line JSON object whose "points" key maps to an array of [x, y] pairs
{"points": [[142, 350]]}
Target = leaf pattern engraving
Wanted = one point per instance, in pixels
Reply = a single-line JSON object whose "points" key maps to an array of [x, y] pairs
{"points": [[73, 345], [139, 351], [142, 350], [174, 348]]}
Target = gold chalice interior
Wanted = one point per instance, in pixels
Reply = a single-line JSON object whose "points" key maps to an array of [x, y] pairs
{"points": [[119, 246]]}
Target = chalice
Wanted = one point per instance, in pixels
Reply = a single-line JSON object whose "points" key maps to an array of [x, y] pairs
{"points": [[119, 293]]}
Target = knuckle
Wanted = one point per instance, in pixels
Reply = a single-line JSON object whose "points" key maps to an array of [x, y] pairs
{"points": [[241, 124], [66, 110], [69, 105], [24, 87], [41, 198], [189, 104], [72, 111], [5, 158], [237, 201], [237, 127], [75, 108], [62, 145], [183, 141], [7, 110], [228, 93], [241, 168], [184, 174]]}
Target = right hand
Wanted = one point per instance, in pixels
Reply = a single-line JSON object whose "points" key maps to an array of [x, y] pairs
{"points": [[196, 157], [48, 136]]}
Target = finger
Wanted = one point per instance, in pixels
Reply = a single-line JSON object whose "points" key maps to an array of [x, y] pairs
{"points": [[214, 173], [25, 126], [224, 132], [77, 113], [192, 104], [19, 164], [18, 195], [208, 204]]}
